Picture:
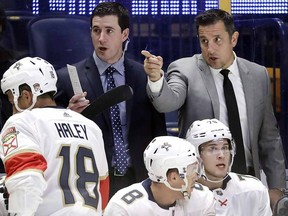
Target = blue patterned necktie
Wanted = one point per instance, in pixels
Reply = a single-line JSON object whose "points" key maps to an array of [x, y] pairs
{"points": [[119, 146]]}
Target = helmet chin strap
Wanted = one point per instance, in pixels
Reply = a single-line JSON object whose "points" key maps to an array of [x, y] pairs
{"points": [[183, 189], [185, 192], [207, 179], [34, 100]]}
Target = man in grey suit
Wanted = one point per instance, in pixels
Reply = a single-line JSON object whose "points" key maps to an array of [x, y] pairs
{"points": [[194, 86]]}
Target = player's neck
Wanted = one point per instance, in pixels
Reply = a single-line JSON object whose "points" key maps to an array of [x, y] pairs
{"points": [[162, 195], [44, 102]]}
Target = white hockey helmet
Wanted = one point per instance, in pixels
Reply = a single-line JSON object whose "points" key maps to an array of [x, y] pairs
{"points": [[208, 130], [37, 73], [169, 152]]}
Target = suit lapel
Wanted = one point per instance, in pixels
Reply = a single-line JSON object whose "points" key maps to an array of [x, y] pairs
{"points": [[247, 82], [130, 80], [210, 86], [93, 79]]}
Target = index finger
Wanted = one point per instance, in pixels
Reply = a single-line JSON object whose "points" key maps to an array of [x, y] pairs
{"points": [[147, 54]]}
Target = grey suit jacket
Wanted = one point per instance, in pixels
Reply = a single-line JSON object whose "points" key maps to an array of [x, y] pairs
{"points": [[191, 89]]}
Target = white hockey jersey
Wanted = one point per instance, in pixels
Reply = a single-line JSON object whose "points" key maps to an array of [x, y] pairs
{"points": [[137, 200], [242, 195], [63, 146]]}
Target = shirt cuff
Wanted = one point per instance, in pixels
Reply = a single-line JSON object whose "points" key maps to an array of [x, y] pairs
{"points": [[156, 86]]}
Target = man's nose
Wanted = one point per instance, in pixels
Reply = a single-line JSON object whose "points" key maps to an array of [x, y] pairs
{"points": [[102, 36], [220, 153], [211, 47]]}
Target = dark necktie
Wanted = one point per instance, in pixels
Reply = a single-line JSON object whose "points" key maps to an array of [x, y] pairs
{"points": [[239, 164], [120, 149]]}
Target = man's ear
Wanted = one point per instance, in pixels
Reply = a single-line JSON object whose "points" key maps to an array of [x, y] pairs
{"points": [[172, 176], [27, 97], [125, 34], [234, 38]]}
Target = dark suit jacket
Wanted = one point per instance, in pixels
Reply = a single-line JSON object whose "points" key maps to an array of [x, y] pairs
{"points": [[143, 121], [191, 89]]}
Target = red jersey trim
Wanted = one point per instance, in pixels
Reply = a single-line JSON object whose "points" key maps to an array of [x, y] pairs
{"points": [[104, 191], [24, 161]]}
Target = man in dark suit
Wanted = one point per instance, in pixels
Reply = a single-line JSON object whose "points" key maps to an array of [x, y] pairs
{"points": [[140, 122], [194, 86]]}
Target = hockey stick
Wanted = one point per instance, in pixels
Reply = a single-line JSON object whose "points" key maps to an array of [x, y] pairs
{"points": [[108, 99]]}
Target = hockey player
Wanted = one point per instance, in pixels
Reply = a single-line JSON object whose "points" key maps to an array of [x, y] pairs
{"points": [[173, 167], [54, 158], [235, 194]]}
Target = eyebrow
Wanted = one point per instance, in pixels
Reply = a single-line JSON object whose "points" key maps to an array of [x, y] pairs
{"points": [[106, 27]]}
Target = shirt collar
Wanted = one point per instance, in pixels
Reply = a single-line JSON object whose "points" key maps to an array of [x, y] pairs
{"points": [[102, 65], [225, 182], [233, 67]]}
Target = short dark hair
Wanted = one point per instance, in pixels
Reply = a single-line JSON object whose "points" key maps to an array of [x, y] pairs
{"points": [[26, 87], [112, 8], [172, 170], [212, 16]]}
